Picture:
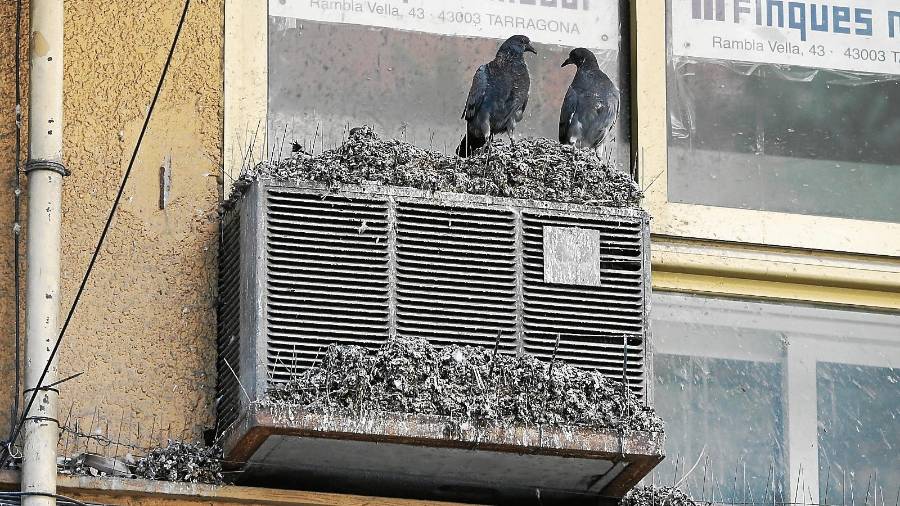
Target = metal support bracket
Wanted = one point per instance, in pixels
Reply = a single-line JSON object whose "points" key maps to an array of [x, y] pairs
{"points": [[33, 165]]}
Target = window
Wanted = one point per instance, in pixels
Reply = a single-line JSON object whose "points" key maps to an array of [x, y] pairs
{"points": [[406, 68], [791, 140], [779, 398], [781, 119]]}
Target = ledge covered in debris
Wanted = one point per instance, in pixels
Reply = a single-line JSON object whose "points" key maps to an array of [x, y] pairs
{"points": [[467, 385], [535, 169], [656, 496], [423, 418]]}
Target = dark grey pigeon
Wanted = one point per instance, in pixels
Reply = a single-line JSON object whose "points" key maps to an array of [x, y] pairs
{"points": [[591, 106], [498, 95]]}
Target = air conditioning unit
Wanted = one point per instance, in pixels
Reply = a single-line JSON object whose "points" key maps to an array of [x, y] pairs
{"points": [[303, 266]]}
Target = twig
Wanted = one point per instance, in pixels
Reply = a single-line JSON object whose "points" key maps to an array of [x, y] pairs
{"points": [[692, 468], [868, 487], [549, 387], [494, 354], [247, 160], [87, 447], [237, 379]]}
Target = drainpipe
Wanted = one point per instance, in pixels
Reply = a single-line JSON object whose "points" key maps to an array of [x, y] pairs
{"points": [[45, 174]]}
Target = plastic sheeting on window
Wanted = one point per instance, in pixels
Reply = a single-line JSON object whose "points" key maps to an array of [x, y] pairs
{"points": [[787, 139]]}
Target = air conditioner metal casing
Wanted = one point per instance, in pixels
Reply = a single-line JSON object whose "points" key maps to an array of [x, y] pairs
{"points": [[302, 266]]}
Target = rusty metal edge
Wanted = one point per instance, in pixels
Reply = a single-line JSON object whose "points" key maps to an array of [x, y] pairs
{"points": [[631, 475], [243, 441], [418, 430], [642, 451]]}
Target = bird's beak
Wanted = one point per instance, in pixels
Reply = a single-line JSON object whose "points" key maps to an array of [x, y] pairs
{"points": [[530, 49], [567, 62]]}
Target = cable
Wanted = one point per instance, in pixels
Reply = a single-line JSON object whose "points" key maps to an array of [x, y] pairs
{"points": [[17, 236], [112, 213], [44, 494]]}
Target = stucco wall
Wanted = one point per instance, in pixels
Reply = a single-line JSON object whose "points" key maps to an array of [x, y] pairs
{"points": [[7, 175], [144, 332]]}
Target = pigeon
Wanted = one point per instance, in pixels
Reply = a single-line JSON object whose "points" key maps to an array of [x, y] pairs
{"points": [[498, 95], [591, 106]]}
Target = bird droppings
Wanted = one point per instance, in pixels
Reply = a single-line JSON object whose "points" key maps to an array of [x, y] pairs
{"points": [[539, 169], [656, 496], [469, 386], [178, 461], [92, 464], [182, 462]]}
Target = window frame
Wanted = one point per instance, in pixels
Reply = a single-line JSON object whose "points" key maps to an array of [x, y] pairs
{"points": [[758, 254], [719, 223], [245, 86]]}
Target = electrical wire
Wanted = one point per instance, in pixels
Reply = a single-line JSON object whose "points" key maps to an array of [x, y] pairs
{"points": [[100, 241], [61, 498], [17, 229]]}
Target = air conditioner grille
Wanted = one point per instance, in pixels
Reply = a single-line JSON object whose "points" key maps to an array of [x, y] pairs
{"points": [[354, 266], [592, 322], [303, 267], [327, 276], [456, 274], [229, 321]]}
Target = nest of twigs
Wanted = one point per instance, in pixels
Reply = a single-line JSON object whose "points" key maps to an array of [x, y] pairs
{"points": [[182, 462], [656, 496], [468, 385], [539, 169]]}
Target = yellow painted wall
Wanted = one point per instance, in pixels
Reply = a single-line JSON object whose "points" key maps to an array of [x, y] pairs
{"points": [[144, 331], [7, 140]]}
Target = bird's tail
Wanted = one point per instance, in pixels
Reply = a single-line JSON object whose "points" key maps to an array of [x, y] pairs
{"points": [[468, 145]]}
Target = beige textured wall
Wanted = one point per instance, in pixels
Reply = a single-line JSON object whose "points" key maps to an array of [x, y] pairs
{"points": [[7, 174], [144, 332]]}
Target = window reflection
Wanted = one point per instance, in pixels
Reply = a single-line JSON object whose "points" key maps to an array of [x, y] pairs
{"points": [[859, 428], [325, 78], [729, 372], [730, 410], [784, 139]]}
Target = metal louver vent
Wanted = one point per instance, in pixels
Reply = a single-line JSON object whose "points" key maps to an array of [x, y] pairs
{"points": [[592, 322], [456, 274], [353, 266], [229, 320], [327, 276]]}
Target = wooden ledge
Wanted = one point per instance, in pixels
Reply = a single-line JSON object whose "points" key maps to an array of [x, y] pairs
{"points": [[124, 491]]}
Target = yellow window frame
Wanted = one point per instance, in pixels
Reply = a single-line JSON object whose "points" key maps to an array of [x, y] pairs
{"points": [[758, 254], [245, 92]]}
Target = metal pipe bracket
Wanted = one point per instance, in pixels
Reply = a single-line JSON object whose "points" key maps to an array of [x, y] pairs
{"points": [[33, 165]]}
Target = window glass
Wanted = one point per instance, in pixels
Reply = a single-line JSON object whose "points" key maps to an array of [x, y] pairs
{"points": [[785, 106], [758, 396], [719, 388], [406, 69], [859, 429], [730, 410]]}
